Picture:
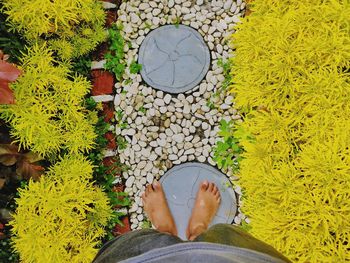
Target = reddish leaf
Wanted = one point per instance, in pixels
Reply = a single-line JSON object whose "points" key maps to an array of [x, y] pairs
{"points": [[26, 167], [32, 157], [28, 170], [9, 154], [6, 94], [8, 71]]}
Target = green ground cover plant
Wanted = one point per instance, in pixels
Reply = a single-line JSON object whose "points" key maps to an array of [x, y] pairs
{"points": [[105, 175], [117, 64], [82, 65], [212, 102], [71, 28], [228, 151], [291, 79], [115, 58]]}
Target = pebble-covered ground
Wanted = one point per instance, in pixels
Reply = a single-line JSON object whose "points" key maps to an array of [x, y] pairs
{"points": [[161, 129]]}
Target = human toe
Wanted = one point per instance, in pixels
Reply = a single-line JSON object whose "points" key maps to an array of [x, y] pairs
{"points": [[156, 186], [205, 185], [211, 187], [149, 189]]}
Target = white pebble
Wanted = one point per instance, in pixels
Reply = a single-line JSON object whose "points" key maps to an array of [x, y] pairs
{"points": [[150, 178], [156, 11], [237, 220], [144, 6], [178, 138], [129, 182], [233, 8], [134, 18], [228, 4], [201, 159], [159, 102], [156, 20], [167, 98], [172, 157], [171, 3]]}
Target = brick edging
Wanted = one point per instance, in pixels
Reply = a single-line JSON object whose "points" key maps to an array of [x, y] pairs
{"points": [[103, 91]]}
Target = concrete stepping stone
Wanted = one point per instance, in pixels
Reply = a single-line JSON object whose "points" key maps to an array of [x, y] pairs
{"points": [[174, 58], [181, 184]]}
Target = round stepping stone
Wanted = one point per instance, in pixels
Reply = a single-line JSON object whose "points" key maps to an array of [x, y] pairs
{"points": [[181, 184], [174, 58]]}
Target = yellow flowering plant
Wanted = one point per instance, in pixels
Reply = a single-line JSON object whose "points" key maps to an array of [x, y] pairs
{"points": [[291, 79], [71, 28], [48, 115], [61, 218]]}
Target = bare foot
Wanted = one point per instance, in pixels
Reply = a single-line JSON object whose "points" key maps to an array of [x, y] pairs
{"points": [[157, 210], [207, 203]]}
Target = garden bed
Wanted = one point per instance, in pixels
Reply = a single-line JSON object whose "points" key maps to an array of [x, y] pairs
{"points": [[85, 127]]}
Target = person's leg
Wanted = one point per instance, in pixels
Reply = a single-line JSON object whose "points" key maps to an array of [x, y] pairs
{"points": [[157, 210], [138, 242], [133, 244], [234, 236], [205, 207]]}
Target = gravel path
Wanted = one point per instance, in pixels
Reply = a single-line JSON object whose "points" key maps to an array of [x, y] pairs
{"points": [[163, 129]]}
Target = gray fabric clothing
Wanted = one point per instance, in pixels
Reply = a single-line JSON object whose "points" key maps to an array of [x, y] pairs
{"points": [[203, 252], [220, 243]]}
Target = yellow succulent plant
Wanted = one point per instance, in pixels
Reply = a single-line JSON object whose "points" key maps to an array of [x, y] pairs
{"points": [[48, 115], [61, 218], [72, 28], [291, 77]]}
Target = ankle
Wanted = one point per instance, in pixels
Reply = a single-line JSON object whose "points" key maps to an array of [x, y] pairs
{"points": [[197, 230], [167, 229]]}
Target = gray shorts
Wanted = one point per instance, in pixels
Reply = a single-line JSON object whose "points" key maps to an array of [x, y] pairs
{"points": [[138, 242]]}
